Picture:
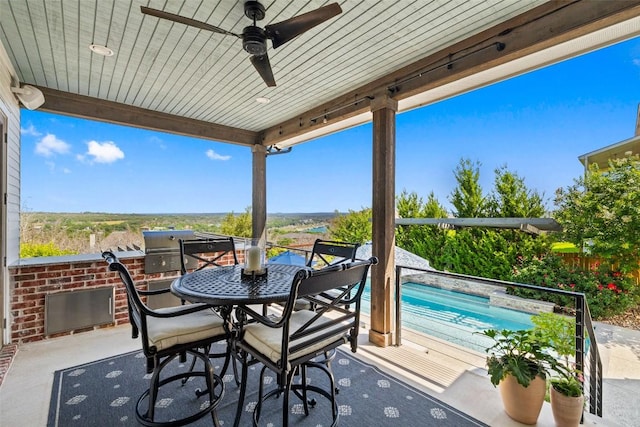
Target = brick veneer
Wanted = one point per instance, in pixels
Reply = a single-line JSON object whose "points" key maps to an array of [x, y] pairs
{"points": [[30, 284]]}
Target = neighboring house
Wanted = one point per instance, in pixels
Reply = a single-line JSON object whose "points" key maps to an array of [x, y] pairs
{"points": [[626, 148]]}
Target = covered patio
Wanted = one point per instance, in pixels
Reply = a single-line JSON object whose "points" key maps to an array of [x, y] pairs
{"points": [[368, 63]]}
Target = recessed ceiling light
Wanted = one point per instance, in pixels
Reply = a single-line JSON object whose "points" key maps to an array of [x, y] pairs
{"points": [[263, 100], [100, 50]]}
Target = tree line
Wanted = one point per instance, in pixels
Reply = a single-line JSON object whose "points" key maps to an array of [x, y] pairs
{"points": [[599, 213]]}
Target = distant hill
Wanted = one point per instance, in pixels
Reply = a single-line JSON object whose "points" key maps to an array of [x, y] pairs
{"points": [[84, 231]]}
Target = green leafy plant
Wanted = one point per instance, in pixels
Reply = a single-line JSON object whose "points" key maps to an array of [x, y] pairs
{"points": [[559, 331], [522, 353], [569, 382]]}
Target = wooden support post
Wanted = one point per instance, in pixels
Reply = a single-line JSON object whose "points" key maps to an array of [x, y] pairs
{"points": [[259, 193], [383, 221]]}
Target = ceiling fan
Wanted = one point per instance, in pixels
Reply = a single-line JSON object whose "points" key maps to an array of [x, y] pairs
{"points": [[254, 38]]}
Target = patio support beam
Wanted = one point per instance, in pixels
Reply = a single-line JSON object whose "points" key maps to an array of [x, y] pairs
{"points": [[383, 221], [259, 193], [87, 107]]}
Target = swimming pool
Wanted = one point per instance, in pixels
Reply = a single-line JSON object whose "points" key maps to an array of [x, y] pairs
{"points": [[453, 316]]}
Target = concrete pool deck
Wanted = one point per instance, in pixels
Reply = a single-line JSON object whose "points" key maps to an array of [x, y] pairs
{"points": [[620, 352]]}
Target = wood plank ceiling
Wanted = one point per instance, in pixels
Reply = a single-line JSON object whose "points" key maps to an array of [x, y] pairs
{"points": [[183, 79]]}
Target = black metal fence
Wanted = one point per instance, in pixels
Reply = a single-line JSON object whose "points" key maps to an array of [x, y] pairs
{"points": [[587, 356]]}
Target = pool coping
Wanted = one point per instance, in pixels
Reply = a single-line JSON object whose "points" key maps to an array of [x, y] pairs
{"points": [[496, 294]]}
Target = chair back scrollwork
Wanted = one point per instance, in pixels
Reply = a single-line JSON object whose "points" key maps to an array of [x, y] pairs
{"points": [[196, 254], [326, 253]]}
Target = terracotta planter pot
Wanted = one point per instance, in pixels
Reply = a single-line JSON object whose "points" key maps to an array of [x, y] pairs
{"points": [[567, 411], [520, 403]]}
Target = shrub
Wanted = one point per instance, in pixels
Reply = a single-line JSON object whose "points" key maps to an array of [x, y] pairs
{"points": [[600, 214], [354, 227], [31, 250], [607, 292]]}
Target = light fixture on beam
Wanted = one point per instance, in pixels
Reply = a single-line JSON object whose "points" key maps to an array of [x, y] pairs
{"points": [[31, 97], [325, 116], [449, 64], [273, 149]]}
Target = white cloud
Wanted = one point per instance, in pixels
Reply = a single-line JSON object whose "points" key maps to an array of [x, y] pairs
{"points": [[103, 152], [157, 141], [215, 156], [636, 62], [50, 145], [53, 168], [31, 130]]}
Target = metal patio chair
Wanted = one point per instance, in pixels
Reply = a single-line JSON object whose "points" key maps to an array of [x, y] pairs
{"points": [[198, 254], [326, 253], [205, 253], [290, 344], [168, 333]]}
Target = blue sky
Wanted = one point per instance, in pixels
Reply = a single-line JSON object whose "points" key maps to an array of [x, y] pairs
{"points": [[536, 124]]}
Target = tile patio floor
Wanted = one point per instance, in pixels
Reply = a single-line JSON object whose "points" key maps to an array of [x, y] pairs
{"points": [[449, 373]]}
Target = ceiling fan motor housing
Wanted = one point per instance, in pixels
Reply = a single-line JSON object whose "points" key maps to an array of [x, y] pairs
{"points": [[254, 40]]}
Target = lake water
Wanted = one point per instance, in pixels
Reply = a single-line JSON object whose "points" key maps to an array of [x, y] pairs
{"points": [[319, 230]]}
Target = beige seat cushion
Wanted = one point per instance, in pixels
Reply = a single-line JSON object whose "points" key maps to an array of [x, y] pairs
{"points": [[164, 333], [268, 341]]}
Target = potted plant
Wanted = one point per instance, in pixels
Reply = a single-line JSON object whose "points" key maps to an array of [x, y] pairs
{"points": [[519, 363], [566, 393]]}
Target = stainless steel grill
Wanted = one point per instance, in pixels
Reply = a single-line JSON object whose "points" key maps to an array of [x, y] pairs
{"points": [[162, 249]]}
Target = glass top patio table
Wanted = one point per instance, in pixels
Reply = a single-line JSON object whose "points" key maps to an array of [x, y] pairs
{"points": [[227, 286]]}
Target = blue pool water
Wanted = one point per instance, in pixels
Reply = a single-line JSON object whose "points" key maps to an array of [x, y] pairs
{"points": [[453, 316]]}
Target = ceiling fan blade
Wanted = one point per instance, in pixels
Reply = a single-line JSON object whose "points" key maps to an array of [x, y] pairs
{"points": [[183, 20], [261, 62], [284, 31]]}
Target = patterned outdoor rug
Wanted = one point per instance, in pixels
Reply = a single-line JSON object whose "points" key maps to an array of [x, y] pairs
{"points": [[105, 392]]}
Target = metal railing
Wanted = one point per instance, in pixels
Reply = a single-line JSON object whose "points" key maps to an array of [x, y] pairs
{"points": [[587, 356]]}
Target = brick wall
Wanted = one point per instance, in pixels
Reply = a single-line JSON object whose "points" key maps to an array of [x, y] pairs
{"points": [[30, 283]]}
